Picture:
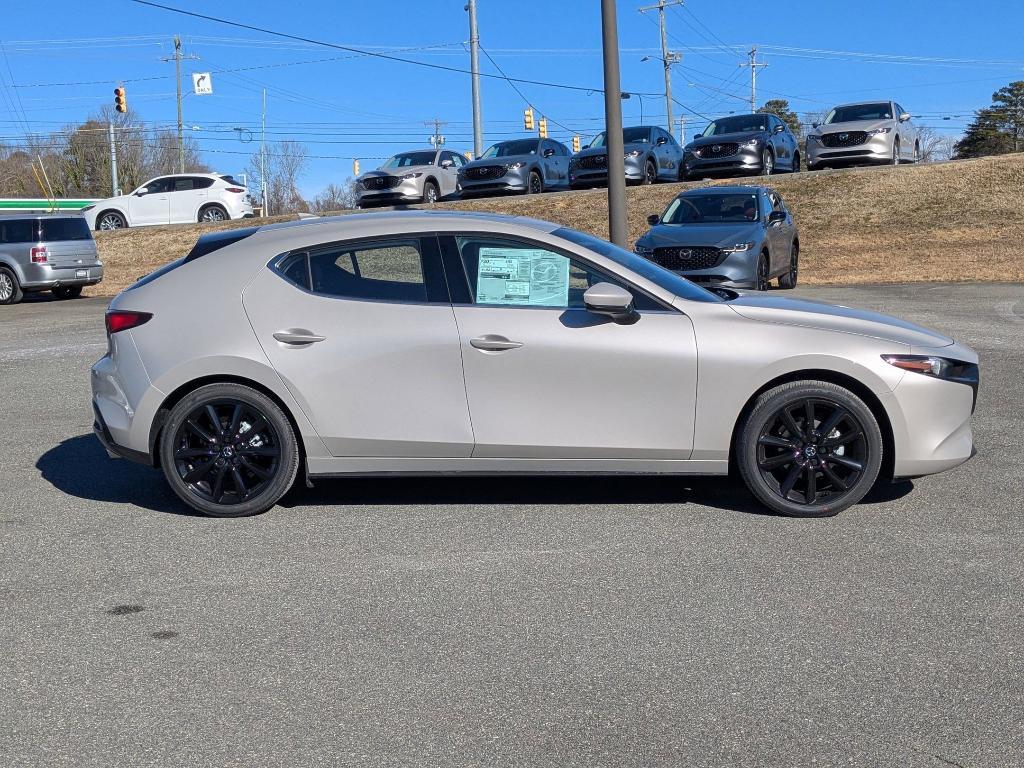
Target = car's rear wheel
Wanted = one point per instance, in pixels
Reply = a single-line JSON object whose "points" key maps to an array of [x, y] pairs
{"points": [[809, 449], [430, 192], [67, 292], [535, 184], [228, 450], [788, 280], [111, 220], [10, 290], [796, 163], [767, 162], [762, 282], [212, 214]]}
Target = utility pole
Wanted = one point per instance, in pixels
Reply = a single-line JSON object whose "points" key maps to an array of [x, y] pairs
{"points": [[474, 67], [753, 64], [437, 140], [114, 190], [682, 130], [176, 58], [668, 58], [618, 229], [263, 154]]}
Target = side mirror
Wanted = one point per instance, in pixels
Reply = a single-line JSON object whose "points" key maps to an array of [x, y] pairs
{"points": [[776, 217], [611, 300], [904, 117], [141, 191], [549, 152], [815, 125], [585, 146], [661, 140], [447, 163], [654, 219], [780, 128]]}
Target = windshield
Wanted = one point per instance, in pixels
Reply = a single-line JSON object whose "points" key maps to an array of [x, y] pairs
{"points": [[856, 112], [407, 159], [660, 276], [511, 148], [629, 136], [711, 209], [737, 124]]}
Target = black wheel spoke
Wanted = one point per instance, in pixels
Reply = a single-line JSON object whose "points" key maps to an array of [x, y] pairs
{"points": [[833, 478], [254, 428], [211, 414], [832, 422], [790, 422], [243, 489], [263, 450], [845, 462], [808, 416], [191, 424], [777, 442], [812, 484], [261, 473], [775, 461], [191, 453], [236, 420], [218, 484], [835, 442], [790, 481], [198, 473]]}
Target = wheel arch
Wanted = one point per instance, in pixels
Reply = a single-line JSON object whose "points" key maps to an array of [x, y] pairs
{"points": [[846, 381], [111, 209], [214, 204]]}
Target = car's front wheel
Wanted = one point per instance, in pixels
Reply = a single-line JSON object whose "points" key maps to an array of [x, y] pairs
{"points": [[10, 290], [788, 280], [809, 449], [111, 220], [762, 282], [430, 192], [536, 184], [228, 450], [767, 162]]}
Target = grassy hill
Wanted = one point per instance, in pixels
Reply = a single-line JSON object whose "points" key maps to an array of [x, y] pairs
{"points": [[960, 221]]}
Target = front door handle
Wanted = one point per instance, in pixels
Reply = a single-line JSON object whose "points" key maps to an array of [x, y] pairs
{"points": [[494, 343], [298, 336]]}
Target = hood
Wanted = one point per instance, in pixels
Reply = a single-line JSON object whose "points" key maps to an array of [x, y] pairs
{"points": [[628, 147], [721, 138], [718, 235], [830, 317], [398, 171], [853, 125], [504, 160]]}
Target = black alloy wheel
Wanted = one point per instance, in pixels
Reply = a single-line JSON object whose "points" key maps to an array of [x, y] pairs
{"points": [[789, 279], [810, 449], [762, 273], [229, 451], [536, 184], [650, 172]]}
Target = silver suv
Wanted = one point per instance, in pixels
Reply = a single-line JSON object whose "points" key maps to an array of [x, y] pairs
{"points": [[46, 253], [419, 176], [872, 132]]}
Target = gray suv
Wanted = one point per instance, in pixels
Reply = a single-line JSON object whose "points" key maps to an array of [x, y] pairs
{"points": [[868, 133], [419, 176], [759, 143], [46, 253], [520, 165], [652, 154]]}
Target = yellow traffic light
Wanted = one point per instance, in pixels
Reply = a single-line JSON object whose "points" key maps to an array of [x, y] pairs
{"points": [[576, 143], [543, 128], [528, 118], [468, 154], [355, 167], [120, 99]]}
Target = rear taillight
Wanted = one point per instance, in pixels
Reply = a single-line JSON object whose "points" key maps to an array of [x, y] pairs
{"points": [[118, 320], [235, 189], [39, 254]]}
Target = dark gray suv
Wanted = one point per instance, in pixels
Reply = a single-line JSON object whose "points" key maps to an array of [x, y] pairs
{"points": [[520, 165], [46, 253], [760, 143], [651, 154]]}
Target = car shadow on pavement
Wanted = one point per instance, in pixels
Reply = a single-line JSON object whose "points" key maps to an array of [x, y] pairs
{"points": [[80, 467]]}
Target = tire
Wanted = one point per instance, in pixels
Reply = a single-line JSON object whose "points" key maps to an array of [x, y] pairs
{"points": [[767, 162], [801, 472], [67, 292], [917, 152], [650, 172], [211, 214], [762, 281], [10, 289], [236, 465], [796, 163], [535, 184], [788, 280], [109, 220], [430, 192], [896, 151]]}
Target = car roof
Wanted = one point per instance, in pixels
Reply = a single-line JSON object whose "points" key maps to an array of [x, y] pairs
{"points": [[859, 103], [47, 215]]}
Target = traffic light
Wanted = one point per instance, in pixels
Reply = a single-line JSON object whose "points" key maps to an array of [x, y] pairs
{"points": [[576, 143], [355, 167], [528, 118], [120, 99], [543, 128], [468, 154]]}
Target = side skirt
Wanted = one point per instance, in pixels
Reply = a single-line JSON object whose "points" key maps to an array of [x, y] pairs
{"points": [[328, 467]]}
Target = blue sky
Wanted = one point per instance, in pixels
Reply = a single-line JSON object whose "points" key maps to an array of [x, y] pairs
{"points": [[939, 58]]}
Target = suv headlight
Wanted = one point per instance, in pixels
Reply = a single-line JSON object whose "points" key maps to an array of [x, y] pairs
{"points": [[516, 165], [752, 144], [879, 131], [634, 153], [813, 138], [643, 250], [88, 208], [410, 176], [739, 247]]}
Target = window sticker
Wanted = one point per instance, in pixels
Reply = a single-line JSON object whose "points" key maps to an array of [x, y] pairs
{"points": [[522, 277]]}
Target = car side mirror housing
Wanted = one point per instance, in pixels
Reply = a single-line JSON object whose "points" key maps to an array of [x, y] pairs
{"points": [[776, 217], [661, 140], [780, 128], [585, 146], [611, 300], [141, 191], [904, 117], [654, 219], [447, 163], [815, 125], [549, 152]]}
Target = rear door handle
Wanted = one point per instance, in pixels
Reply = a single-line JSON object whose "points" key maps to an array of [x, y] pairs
{"points": [[492, 342], [298, 336]]}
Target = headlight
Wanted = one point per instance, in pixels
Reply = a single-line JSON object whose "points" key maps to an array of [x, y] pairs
{"points": [[813, 139], [939, 367], [643, 250], [739, 247], [879, 131], [634, 153], [88, 208], [410, 176], [752, 144], [516, 166]]}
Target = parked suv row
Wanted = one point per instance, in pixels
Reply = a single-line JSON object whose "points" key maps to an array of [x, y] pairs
{"points": [[46, 253]]}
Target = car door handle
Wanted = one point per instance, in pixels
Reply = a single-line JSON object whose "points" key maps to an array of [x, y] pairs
{"points": [[298, 336], [494, 343]]}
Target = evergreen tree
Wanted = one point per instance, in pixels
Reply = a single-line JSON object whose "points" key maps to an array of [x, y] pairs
{"points": [[780, 108]]}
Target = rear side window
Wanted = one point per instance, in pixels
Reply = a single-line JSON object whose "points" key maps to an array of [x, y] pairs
{"points": [[201, 182], [55, 230], [230, 180], [17, 231], [386, 271]]}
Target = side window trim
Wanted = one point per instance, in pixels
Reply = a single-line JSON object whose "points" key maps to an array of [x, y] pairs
{"points": [[462, 296]]}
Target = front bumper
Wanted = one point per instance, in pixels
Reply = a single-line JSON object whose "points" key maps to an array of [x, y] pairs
{"points": [[736, 270], [516, 180], [581, 177], [43, 277], [408, 191], [877, 149], [745, 161]]}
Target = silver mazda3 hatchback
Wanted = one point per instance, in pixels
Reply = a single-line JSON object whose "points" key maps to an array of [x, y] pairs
{"points": [[430, 342]]}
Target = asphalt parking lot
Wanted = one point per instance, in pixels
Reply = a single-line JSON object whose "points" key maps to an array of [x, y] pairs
{"points": [[557, 622]]}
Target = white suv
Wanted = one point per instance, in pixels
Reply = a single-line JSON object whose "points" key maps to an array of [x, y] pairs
{"points": [[184, 198]]}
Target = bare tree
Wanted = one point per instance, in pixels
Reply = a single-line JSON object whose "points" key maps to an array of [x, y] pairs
{"points": [[335, 197], [934, 146], [286, 161]]}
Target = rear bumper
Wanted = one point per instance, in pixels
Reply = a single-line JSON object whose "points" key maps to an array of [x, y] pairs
{"points": [[115, 451], [43, 277]]}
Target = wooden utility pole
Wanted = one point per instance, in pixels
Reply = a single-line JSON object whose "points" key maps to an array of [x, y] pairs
{"points": [[177, 58]]}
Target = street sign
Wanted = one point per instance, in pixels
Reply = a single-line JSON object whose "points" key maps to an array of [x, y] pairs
{"points": [[202, 85]]}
